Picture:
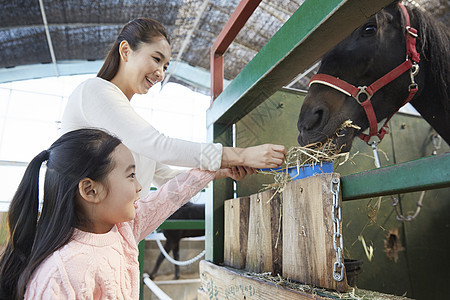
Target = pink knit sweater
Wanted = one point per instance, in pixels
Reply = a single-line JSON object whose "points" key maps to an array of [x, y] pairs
{"points": [[105, 266]]}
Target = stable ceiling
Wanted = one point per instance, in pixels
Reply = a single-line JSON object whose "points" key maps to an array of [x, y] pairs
{"points": [[84, 30]]}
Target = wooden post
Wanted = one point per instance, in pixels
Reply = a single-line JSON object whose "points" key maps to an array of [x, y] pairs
{"points": [[308, 251], [264, 249], [236, 231]]}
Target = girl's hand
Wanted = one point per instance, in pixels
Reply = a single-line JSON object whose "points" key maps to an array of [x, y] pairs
{"points": [[236, 173]]}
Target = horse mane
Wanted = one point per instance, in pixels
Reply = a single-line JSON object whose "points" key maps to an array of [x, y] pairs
{"points": [[432, 44]]}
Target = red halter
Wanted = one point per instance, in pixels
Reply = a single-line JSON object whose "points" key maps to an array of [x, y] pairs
{"points": [[411, 63]]}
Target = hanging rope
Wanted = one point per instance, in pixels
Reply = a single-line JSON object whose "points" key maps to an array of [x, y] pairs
{"points": [[176, 262], [408, 218]]}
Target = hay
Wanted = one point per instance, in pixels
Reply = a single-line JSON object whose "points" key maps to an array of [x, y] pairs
{"points": [[353, 293], [312, 155]]}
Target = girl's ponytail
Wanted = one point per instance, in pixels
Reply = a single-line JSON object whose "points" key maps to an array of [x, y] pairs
{"points": [[22, 219]]}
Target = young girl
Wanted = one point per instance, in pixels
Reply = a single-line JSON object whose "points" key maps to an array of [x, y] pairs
{"points": [[137, 61], [83, 243]]}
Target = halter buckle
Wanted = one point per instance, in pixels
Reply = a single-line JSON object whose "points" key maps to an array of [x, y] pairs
{"points": [[373, 141], [414, 69], [413, 86], [412, 73], [362, 91]]}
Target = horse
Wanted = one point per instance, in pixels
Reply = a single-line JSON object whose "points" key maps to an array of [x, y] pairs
{"points": [[189, 211], [399, 55]]}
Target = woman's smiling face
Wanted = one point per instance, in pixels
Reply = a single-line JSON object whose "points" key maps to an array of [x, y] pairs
{"points": [[146, 66]]}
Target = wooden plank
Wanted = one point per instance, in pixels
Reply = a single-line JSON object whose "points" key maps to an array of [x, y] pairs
{"points": [[418, 175], [236, 232], [264, 248], [313, 29], [308, 251], [228, 283]]}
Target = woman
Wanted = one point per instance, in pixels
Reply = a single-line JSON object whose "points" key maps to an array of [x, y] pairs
{"points": [[137, 61]]}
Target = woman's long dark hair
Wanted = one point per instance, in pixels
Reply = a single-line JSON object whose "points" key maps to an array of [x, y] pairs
{"points": [[137, 31], [33, 237]]}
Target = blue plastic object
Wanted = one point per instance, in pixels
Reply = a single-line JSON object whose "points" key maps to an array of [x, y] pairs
{"points": [[306, 170]]}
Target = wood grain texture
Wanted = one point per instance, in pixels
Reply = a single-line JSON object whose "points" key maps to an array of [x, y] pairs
{"points": [[236, 231], [308, 251], [264, 248], [229, 283], [219, 283]]}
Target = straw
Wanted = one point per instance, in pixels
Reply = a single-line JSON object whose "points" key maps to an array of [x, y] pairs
{"points": [[312, 154]]}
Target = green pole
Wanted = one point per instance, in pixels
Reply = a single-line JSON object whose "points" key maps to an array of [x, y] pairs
{"points": [[141, 247]]}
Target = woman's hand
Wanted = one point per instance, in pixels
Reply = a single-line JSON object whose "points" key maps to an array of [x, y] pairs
{"points": [[264, 156], [236, 173]]}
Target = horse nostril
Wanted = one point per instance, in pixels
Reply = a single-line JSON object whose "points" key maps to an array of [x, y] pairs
{"points": [[314, 119]]}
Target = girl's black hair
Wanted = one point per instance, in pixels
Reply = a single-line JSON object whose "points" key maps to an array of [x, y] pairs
{"points": [[33, 237], [135, 32]]}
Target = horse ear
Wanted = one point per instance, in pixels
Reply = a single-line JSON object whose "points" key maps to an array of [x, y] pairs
{"points": [[394, 3]]}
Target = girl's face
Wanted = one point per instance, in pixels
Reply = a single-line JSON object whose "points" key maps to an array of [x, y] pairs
{"points": [[146, 66], [117, 200]]}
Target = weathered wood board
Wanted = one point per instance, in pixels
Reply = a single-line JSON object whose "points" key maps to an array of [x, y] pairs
{"points": [[253, 236], [264, 248], [229, 283], [236, 231], [308, 250]]}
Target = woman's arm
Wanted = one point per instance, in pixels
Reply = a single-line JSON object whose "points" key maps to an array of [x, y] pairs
{"points": [[104, 106]]}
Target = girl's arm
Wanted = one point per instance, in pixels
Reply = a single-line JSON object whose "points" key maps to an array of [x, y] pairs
{"points": [[160, 204]]}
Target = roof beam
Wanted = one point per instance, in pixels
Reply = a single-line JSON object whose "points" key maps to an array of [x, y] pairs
{"points": [[242, 13], [194, 76], [49, 39], [187, 40]]}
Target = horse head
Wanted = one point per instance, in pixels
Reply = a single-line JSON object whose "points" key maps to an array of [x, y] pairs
{"points": [[368, 54]]}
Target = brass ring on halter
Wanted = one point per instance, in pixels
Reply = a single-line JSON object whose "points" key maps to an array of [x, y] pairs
{"points": [[408, 28], [362, 91]]}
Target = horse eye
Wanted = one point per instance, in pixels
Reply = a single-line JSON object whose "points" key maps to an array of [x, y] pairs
{"points": [[370, 29]]}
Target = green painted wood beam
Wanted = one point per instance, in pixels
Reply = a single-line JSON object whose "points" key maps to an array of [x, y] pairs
{"points": [[214, 207], [141, 258], [182, 224], [418, 175], [313, 29]]}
